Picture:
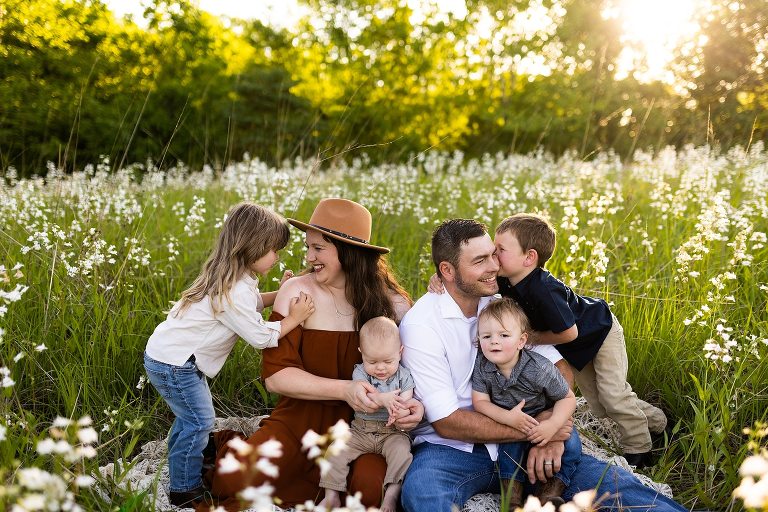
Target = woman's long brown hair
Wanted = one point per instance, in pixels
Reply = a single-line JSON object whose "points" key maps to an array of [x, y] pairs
{"points": [[370, 282]]}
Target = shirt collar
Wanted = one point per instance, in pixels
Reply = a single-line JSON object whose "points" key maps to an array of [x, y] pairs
{"points": [[250, 279], [524, 282], [449, 308], [490, 368]]}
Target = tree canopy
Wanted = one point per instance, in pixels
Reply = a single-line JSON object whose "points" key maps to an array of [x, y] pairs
{"points": [[78, 85]]}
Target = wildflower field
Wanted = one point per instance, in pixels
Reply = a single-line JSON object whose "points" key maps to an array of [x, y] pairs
{"points": [[90, 262]]}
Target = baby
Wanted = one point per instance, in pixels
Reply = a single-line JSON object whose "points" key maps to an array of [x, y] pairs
{"points": [[375, 432]]}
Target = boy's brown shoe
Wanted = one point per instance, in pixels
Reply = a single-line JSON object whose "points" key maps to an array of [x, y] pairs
{"points": [[552, 491], [514, 493], [189, 499], [639, 460]]}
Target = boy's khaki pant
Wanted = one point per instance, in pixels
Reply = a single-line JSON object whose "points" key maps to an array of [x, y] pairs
{"points": [[603, 383], [369, 436]]}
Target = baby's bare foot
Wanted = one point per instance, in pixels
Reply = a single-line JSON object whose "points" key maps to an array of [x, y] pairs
{"points": [[330, 502], [389, 504]]}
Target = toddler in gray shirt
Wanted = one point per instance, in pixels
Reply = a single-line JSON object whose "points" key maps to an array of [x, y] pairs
{"points": [[511, 385]]}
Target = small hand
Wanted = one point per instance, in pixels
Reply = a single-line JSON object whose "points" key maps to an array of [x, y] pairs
{"points": [[386, 400], [286, 276], [543, 432], [435, 284], [301, 307], [415, 415], [400, 414], [516, 418]]}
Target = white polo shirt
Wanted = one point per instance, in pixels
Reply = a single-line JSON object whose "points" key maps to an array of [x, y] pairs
{"points": [[211, 337], [440, 352]]}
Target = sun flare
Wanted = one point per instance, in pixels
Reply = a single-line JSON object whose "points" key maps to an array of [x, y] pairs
{"points": [[652, 29]]}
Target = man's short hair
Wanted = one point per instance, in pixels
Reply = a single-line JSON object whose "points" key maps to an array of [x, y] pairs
{"points": [[532, 232], [498, 308], [448, 238]]}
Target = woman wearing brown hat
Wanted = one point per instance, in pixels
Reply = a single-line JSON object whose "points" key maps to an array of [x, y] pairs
{"points": [[312, 366]]}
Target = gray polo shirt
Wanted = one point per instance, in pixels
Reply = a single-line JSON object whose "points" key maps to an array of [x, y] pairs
{"points": [[401, 380], [533, 379]]}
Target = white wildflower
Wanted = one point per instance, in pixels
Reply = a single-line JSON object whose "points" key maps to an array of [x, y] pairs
{"points": [[260, 497], [324, 466], [30, 502], [754, 494], [241, 447], [62, 447], [585, 499], [7, 381], [46, 446], [84, 481], [264, 466], [61, 422], [271, 448], [340, 431], [87, 436], [83, 452], [754, 465], [229, 464], [310, 441]]}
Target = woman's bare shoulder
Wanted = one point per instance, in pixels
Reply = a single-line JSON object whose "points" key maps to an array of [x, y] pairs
{"points": [[299, 283], [291, 288], [401, 305]]}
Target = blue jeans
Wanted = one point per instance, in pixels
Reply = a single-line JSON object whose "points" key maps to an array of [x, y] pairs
{"points": [[186, 391], [441, 477], [512, 459]]}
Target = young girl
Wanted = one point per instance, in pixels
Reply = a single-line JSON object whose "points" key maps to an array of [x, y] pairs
{"points": [[222, 304]]}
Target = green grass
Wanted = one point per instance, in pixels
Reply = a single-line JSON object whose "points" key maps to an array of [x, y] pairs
{"points": [[95, 326]]}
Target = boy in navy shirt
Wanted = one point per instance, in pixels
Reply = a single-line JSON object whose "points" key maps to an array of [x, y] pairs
{"points": [[583, 330]]}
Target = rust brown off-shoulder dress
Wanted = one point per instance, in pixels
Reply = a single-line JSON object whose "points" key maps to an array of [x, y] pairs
{"points": [[331, 354]]}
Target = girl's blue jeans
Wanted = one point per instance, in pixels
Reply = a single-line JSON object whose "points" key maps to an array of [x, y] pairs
{"points": [[441, 478], [186, 391], [513, 458]]}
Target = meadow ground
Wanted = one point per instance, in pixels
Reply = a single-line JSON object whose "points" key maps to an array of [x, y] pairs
{"points": [[90, 263]]}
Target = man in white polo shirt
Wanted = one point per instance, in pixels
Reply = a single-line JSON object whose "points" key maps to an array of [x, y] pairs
{"points": [[454, 453]]}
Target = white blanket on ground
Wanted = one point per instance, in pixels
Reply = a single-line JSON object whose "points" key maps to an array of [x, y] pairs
{"points": [[148, 471]]}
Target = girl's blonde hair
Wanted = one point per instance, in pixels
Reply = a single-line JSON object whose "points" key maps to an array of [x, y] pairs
{"points": [[250, 231]]}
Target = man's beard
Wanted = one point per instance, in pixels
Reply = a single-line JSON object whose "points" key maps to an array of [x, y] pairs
{"points": [[474, 288]]}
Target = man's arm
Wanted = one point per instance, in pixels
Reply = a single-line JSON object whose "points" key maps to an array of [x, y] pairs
{"points": [[552, 338], [473, 427], [566, 371]]}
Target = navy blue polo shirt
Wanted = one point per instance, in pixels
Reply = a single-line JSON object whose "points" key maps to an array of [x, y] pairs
{"points": [[552, 306]]}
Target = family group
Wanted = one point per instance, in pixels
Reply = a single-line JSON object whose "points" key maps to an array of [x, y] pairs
{"points": [[468, 390]]}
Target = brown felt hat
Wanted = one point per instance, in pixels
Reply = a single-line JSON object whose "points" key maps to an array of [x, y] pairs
{"points": [[344, 220]]}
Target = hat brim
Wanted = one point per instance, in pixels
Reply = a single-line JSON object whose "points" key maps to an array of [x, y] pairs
{"points": [[304, 227]]}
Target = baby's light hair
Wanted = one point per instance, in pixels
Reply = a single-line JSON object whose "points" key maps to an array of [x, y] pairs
{"points": [[250, 231], [377, 330], [532, 232], [497, 309]]}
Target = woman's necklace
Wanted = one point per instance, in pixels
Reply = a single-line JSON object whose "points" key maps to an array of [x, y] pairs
{"points": [[336, 307]]}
